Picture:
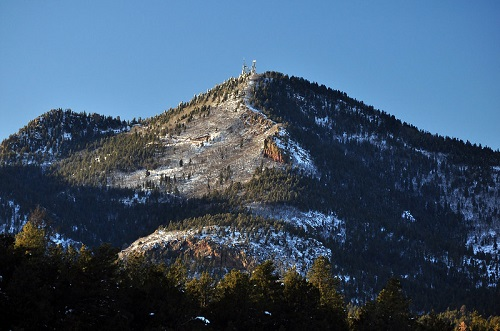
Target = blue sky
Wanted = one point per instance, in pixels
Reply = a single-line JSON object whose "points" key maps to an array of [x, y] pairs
{"points": [[434, 64]]}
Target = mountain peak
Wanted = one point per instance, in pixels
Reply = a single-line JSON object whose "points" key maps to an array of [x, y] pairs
{"points": [[56, 134], [216, 139], [269, 166]]}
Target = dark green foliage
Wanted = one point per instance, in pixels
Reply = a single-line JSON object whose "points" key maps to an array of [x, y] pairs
{"points": [[461, 319], [94, 215], [57, 134], [65, 289], [126, 152], [275, 186], [266, 288], [331, 301], [202, 289], [33, 238], [282, 97], [390, 311], [232, 307], [371, 168], [239, 221], [91, 289], [433, 322], [301, 302]]}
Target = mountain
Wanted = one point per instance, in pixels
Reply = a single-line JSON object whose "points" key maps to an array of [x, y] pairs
{"points": [[55, 135], [267, 166]]}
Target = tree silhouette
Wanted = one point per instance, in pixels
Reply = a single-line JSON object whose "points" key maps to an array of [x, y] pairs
{"points": [[390, 311]]}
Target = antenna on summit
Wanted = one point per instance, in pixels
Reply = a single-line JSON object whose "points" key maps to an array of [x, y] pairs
{"points": [[244, 70]]}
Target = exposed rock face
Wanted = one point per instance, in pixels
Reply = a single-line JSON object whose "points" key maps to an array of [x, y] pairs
{"points": [[223, 248], [227, 134], [192, 249], [272, 151]]}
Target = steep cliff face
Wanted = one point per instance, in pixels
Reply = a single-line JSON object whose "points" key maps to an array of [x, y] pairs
{"points": [[272, 151]]}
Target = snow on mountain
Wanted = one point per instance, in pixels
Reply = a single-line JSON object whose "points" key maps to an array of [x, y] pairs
{"points": [[56, 133], [244, 249], [378, 196], [314, 223], [299, 157], [59, 239], [224, 142], [18, 219], [408, 216], [14, 219]]}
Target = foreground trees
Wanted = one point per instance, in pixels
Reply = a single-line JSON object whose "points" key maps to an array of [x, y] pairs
{"points": [[48, 287], [390, 311]]}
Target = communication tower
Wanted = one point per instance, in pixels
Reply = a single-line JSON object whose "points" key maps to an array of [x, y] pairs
{"points": [[244, 70], [254, 67]]}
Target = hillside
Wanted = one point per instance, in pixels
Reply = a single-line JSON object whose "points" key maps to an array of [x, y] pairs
{"points": [[55, 135], [267, 166]]}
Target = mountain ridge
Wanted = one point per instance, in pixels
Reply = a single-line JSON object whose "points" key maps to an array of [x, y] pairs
{"points": [[390, 199]]}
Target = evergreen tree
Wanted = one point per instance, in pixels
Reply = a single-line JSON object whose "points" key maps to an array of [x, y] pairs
{"points": [[331, 301], [33, 237], [266, 290], [433, 322], [301, 302], [201, 289], [390, 311], [232, 306], [177, 274]]}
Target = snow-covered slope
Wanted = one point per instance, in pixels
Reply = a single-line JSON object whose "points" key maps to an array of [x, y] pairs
{"points": [[55, 134], [221, 140], [296, 241], [226, 248]]}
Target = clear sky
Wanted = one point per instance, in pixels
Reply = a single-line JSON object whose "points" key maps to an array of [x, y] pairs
{"points": [[434, 64]]}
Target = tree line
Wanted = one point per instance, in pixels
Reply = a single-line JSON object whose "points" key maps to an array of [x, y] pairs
{"points": [[45, 286]]}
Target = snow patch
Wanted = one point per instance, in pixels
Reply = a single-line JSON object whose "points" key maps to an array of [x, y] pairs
{"points": [[299, 156], [313, 222], [408, 216], [16, 221], [136, 199], [322, 121], [58, 239], [203, 319]]}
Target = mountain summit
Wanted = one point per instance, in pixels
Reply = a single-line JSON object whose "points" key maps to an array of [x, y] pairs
{"points": [[267, 166]]}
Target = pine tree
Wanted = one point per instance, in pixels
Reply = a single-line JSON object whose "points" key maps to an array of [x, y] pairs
{"points": [[232, 306], [202, 289], [266, 288], [433, 322], [33, 238], [390, 311], [301, 301], [177, 274], [320, 276]]}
